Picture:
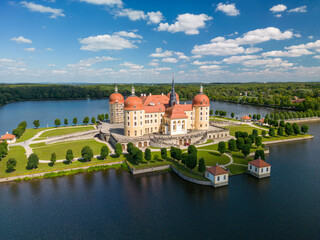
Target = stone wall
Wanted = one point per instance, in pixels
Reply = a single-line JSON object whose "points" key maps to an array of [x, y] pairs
{"points": [[287, 140], [147, 170], [206, 183], [72, 137]]}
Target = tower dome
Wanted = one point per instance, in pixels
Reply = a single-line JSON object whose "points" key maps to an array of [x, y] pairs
{"points": [[132, 102], [116, 97], [201, 100]]}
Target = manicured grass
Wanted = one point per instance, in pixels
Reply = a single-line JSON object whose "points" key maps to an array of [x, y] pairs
{"points": [[145, 164], [210, 147], [29, 133], [212, 158], [65, 131], [242, 128], [277, 138], [236, 169], [239, 158], [218, 118], [60, 149], [19, 154], [188, 172]]}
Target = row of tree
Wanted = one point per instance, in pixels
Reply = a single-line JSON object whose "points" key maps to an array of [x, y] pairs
{"points": [[20, 129]]}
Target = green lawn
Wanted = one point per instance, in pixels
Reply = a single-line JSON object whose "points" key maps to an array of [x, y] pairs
{"points": [[212, 158], [276, 138], [218, 118], [236, 169], [65, 131], [29, 133], [188, 172], [44, 152], [242, 128], [19, 154]]}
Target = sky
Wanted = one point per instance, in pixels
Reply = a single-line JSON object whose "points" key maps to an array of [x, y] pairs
{"points": [[143, 41]]}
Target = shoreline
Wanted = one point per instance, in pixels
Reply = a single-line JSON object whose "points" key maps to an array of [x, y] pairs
{"points": [[288, 140], [40, 175]]}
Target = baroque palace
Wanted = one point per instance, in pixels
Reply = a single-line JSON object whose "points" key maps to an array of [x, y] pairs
{"points": [[159, 120]]}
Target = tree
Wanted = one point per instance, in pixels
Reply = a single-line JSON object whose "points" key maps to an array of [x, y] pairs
{"points": [[232, 115], [184, 157], [11, 164], [202, 165], [304, 129], [69, 156], [259, 154], [53, 159], [232, 144], [272, 132], [296, 128], [282, 123], [191, 161], [264, 133], [164, 153], [255, 132], [75, 121], [36, 123], [192, 149], [107, 116], [258, 141], [57, 122], [93, 120], [258, 116], [85, 120], [248, 141], [87, 153], [66, 122], [280, 131], [139, 156], [216, 112], [104, 152], [178, 154], [173, 152], [155, 158], [33, 161], [222, 147], [147, 154], [254, 116], [288, 129], [245, 150], [211, 112], [118, 149], [240, 143], [130, 147]]}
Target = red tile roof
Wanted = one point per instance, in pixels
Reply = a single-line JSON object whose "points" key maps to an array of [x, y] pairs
{"points": [[155, 99], [155, 108], [261, 120], [175, 112], [7, 136], [246, 118], [259, 163], [201, 100], [216, 170]]}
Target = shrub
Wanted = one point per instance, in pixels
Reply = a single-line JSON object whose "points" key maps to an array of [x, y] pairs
{"points": [[33, 161], [87, 153], [202, 165]]}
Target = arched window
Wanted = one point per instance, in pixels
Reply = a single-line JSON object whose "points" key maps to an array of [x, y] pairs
{"points": [[174, 125], [183, 125]]}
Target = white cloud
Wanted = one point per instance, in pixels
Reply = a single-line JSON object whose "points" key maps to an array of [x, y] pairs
{"points": [[270, 63], [43, 9], [21, 39], [317, 57], [278, 15], [278, 8], [310, 37], [49, 50], [239, 59], [228, 9], [160, 54], [298, 35], [220, 46], [291, 53], [163, 69], [128, 34], [204, 62], [59, 72], [252, 50], [187, 23], [104, 2], [132, 14], [170, 60], [154, 63], [105, 42], [301, 9], [32, 49], [131, 65], [310, 45], [209, 67], [155, 17], [90, 61]]}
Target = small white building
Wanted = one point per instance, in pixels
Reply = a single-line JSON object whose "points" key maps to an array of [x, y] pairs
{"points": [[246, 119], [217, 175], [10, 138], [259, 168]]}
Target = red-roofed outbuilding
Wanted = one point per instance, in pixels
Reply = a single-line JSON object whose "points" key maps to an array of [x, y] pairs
{"points": [[217, 175], [259, 168]]}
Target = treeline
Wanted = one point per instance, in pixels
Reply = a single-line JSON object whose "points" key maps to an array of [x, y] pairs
{"points": [[20, 129], [278, 95]]}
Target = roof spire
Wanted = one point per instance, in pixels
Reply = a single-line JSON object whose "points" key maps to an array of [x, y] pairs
{"points": [[172, 85], [173, 97], [116, 88], [201, 88], [132, 91]]}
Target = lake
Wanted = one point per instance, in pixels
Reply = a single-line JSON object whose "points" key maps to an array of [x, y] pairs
{"points": [[114, 204], [47, 111]]}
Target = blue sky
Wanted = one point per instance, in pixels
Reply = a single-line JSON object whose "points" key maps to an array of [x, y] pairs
{"points": [[113, 41]]}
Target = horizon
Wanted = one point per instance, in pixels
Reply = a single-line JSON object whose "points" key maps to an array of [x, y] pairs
{"points": [[111, 41]]}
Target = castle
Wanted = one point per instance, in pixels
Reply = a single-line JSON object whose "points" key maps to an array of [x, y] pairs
{"points": [[159, 113]]}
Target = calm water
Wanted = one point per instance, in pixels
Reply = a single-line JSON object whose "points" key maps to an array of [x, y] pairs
{"points": [[113, 204], [47, 111]]}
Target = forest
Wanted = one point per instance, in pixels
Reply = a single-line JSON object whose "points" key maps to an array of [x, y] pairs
{"points": [[277, 95]]}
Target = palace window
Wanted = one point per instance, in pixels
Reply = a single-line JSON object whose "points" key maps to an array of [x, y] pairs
{"points": [[151, 130], [141, 123], [200, 113], [135, 112], [174, 125], [135, 123], [255, 169], [200, 125], [155, 120], [267, 170], [128, 132], [200, 118], [140, 132], [128, 124], [135, 132], [135, 118], [250, 167], [218, 179]]}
